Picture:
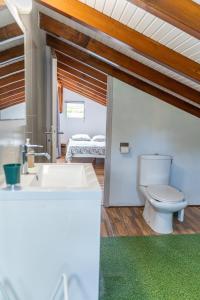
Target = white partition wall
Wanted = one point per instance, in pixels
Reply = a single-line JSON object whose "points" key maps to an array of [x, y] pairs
{"points": [[151, 126]]}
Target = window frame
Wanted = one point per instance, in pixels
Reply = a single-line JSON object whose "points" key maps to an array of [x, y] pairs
{"points": [[75, 102]]}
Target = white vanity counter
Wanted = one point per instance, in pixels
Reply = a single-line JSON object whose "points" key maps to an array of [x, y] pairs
{"points": [[48, 228]]}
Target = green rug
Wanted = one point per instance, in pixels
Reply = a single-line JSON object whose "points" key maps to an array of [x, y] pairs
{"points": [[150, 268]]}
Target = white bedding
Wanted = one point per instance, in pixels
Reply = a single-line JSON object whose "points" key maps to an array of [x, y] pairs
{"points": [[85, 149]]}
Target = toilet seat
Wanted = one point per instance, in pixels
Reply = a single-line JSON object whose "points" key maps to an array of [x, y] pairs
{"points": [[165, 193]]}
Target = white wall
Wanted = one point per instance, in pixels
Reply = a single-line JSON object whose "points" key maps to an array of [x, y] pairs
{"points": [[94, 122], [11, 137], [17, 111], [151, 126]]}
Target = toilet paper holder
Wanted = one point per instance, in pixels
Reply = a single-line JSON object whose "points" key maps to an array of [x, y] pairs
{"points": [[124, 148]]}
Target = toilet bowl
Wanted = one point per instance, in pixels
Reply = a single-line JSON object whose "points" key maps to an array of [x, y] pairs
{"points": [[161, 199], [158, 213]]}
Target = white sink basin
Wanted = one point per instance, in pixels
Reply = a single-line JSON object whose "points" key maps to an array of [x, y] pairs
{"points": [[59, 177], [50, 227]]}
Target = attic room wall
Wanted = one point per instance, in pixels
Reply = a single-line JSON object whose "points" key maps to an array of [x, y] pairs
{"points": [[17, 111], [12, 136], [151, 126], [93, 124]]}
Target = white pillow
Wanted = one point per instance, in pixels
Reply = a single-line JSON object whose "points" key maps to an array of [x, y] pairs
{"points": [[99, 138], [81, 137]]}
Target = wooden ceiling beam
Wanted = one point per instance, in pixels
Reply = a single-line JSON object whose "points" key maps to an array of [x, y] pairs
{"points": [[60, 97], [12, 68], [82, 93], [77, 86], [82, 81], [12, 97], [66, 75], [121, 75], [12, 87], [11, 53], [75, 74], [130, 38], [82, 76], [10, 31], [12, 93], [11, 79], [81, 86], [82, 68], [121, 60], [2, 4], [184, 14], [12, 103]]}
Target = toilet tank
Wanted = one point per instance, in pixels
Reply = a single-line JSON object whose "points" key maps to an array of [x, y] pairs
{"points": [[154, 169]]}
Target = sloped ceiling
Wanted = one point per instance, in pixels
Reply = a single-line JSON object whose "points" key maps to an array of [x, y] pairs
{"points": [[151, 26], [12, 89], [69, 12]]}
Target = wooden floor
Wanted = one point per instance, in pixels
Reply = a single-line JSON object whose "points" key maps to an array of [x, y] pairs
{"points": [[128, 221]]}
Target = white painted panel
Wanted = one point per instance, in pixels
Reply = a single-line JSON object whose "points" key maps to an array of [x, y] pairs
{"points": [[162, 31], [109, 7], [196, 56], [154, 26], [145, 22], [90, 3], [181, 38], [192, 50], [118, 9], [172, 34], [189, 43], [128, 13], [137, 17], [99, 5]]}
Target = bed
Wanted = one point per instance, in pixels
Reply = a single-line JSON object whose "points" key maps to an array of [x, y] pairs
{"points": [[91, 149]]}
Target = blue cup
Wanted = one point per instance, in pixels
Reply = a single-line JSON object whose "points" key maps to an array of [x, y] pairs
{"points": [[12, 173]]}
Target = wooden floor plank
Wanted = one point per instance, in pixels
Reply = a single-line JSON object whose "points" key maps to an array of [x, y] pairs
{"points": [[128, 221]]}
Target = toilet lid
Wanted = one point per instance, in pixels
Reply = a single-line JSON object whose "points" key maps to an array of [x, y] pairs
{"points": [[165, 193]]}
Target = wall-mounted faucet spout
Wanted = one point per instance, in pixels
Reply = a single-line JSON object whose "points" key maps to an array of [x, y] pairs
{"points": [[25, 153]]}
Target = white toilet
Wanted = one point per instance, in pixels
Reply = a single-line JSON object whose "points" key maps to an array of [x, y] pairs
{"points": [[161, 200]]}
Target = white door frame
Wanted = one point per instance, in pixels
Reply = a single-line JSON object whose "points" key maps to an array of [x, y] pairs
{"points": [[107, 167], [54, 125]]}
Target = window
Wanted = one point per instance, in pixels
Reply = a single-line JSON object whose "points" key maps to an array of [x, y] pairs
{"points": [[75, 110]]}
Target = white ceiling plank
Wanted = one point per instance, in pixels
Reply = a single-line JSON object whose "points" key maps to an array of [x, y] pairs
{"points": [[145, 22], [151, 26], [155, 25], [172, 34], [109, 7], [162, 31], [188, 47], [90, 3], [99, 5], [119, 9], [179, 40], [127, 13], [192, 49], [137, 17], [196, 55]]}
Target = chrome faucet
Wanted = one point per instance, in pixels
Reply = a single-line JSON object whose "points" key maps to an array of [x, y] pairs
{"points": [[25, 153]]}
